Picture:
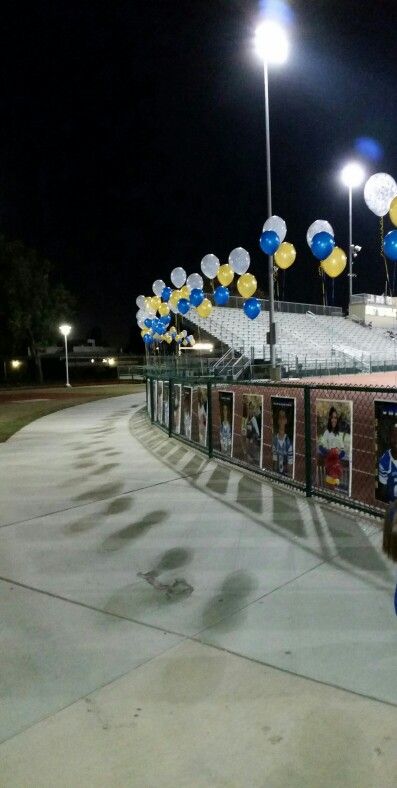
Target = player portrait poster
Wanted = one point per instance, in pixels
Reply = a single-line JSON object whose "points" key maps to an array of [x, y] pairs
{"points": [[148, 398], [166, 403], [186, 420], [176, 407], [334, 420], [251, 430], [202, 414], [385, 451], [226, 413], [155, 400], [283, 435], [160, 401]]}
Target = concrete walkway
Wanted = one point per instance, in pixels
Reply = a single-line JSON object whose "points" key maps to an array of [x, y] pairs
{"points": [[170, 621]]}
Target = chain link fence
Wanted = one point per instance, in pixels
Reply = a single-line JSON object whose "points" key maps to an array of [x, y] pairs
{"points": [[334, 441]]}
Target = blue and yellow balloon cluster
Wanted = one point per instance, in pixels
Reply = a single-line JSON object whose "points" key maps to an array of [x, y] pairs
{"points": [[321, 241]]}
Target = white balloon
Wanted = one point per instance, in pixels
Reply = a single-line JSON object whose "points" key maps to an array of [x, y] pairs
{"points": [[140, 301], [319, 226], [178, 277], [278, 225], [158, 287], [173, 308], [239, 260], [195, 282], [184, 333], [141, 322], [379, 191], [142, 314], [210, 266]]}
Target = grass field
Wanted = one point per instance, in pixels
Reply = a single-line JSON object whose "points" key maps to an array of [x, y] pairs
{"points": [[19, 407]]}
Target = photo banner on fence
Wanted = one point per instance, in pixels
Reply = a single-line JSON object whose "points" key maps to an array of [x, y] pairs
{"points": [[155, 400], [226, 415], [148, 397], [202, 414], [385, 451], [160, 401], [186, 423], [334, 423], [283, 435], [247, 443], [166, 403], [176, 407]]}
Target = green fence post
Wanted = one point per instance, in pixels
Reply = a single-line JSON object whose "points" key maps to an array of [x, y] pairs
{"points": [[170, 406], [308, 442], [209, 418]]}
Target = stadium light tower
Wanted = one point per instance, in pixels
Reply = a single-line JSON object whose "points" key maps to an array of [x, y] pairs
{"points": [[352, 176], [272, 46], [65, 331]]}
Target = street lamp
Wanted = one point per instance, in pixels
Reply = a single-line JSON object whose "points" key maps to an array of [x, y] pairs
{"points": [[352, 176], [65, 331], [272, 46]]}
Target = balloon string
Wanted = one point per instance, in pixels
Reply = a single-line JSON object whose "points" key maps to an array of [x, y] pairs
{"points": [[387, 283], [283, 285], [333, 291], [394, 278]]}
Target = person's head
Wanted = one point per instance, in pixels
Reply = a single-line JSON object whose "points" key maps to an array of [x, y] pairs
{"points": [[281, 420], [333, 421], [390, 532], [393, 440]]}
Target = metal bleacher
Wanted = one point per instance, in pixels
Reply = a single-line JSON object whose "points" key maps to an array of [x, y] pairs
{"points": [[308, 338]]}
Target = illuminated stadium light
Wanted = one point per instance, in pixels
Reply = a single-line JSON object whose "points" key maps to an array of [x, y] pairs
{"points": [[271, 42]]}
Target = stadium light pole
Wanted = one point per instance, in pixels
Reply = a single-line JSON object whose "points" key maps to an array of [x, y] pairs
{"points": [[65, 331], [352, 176], [272, 46]]}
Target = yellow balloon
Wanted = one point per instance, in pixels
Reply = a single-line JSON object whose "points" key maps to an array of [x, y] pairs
{"points": [[148, 303], [164, 310], [174, 297], [205, 308], [225, 275], [145, 331], [393, 211], [285, 255], [184, 292], [246, 285], [172, 331], [335, 263], [156, 302]]}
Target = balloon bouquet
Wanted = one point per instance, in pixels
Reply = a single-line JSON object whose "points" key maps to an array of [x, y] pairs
{"points": [[321, 241], [380, 195], [272, 243]]}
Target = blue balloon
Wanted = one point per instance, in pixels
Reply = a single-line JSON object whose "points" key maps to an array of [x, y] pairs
{"points": [[196, 297], [166, 293], [183, 306], [390, 245], [160, 328], [269, 242], [322, 245], [165, 319], [252, 307], [221, 295], [148, 339], [148, 322]]}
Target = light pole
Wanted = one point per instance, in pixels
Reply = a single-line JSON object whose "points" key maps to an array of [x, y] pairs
{"points": [[352, 176], [272, 46], [65, 331]]}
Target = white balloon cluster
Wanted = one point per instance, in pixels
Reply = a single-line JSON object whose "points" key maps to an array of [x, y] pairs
{"points": [[239, 260], [379, 191]]}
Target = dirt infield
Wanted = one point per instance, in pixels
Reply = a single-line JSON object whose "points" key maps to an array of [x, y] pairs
{"points": [[377, 379]]}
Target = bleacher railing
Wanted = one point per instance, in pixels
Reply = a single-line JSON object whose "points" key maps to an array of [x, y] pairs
{"points": [[236, 302], [285, 431]]}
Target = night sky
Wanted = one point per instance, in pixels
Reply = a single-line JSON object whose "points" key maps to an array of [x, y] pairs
{"points": [[132, 139]]}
